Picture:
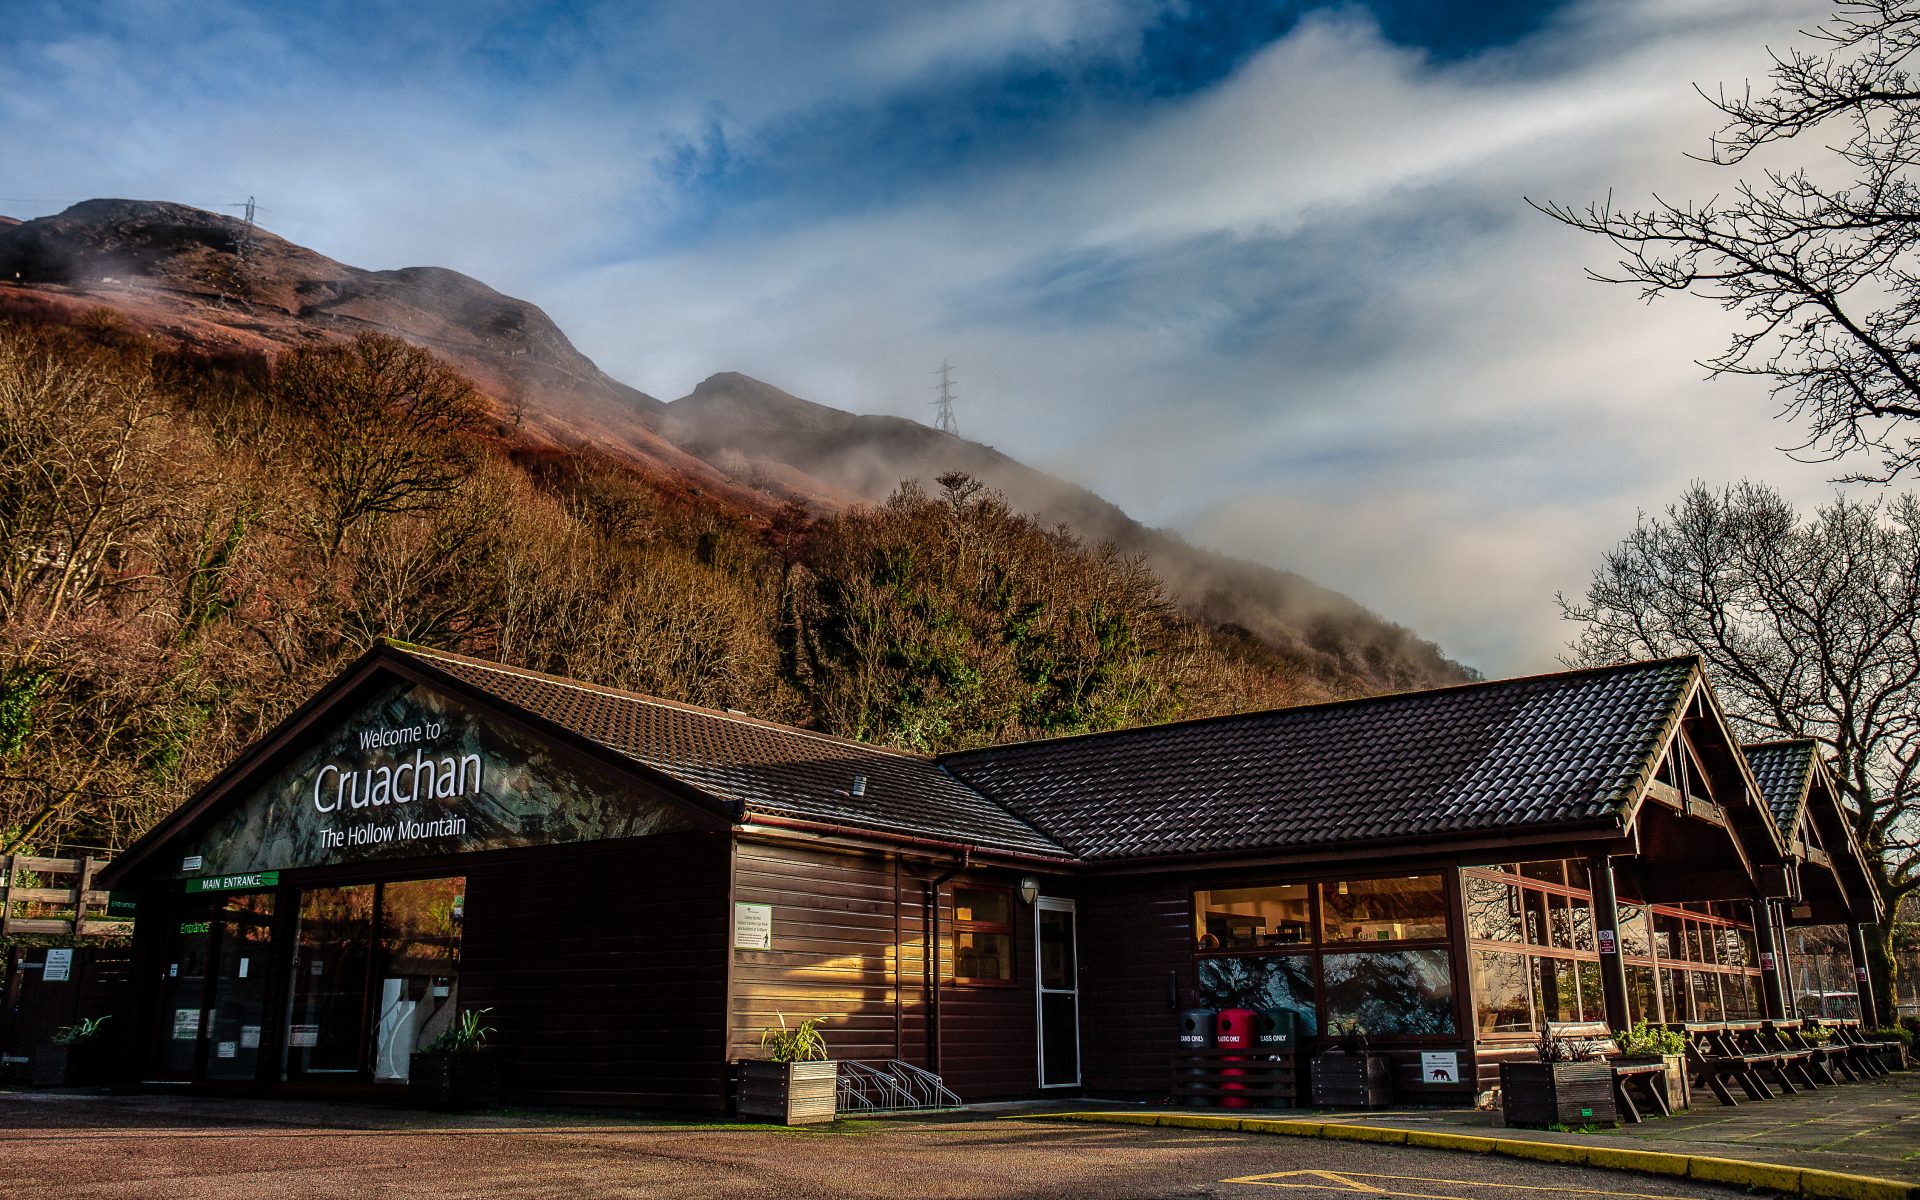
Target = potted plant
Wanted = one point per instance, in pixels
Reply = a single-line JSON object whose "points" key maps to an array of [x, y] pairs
{"points": [[74, 1057], [795, 1084], [456, 1070], [1647, 1043], [1348, 1074], [1565, 1087]]}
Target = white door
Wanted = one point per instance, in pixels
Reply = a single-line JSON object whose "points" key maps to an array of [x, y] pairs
{"points": [[1057, 979]]}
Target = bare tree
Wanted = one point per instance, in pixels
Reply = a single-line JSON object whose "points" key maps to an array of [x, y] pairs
{"points": [[385, 420], [1810, 628], [1819, 261]]}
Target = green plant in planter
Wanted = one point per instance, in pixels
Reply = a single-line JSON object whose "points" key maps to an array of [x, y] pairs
{"points": [[796, 1043], [85, 1030], [1816, 1035], [1649, 1040], [464, 1036]]}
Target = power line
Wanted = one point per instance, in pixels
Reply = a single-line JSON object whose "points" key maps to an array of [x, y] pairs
{"points": [[943, 418]]}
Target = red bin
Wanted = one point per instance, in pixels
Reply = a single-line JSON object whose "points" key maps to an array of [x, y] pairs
{"points": [[1233, 1030]]}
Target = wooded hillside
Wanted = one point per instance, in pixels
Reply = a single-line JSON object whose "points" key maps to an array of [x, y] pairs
{"points": [[190, 544]]}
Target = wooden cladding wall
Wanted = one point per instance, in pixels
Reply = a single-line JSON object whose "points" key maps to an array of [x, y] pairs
{"points": [[849, 944], [605, 966], [1136, 962]]}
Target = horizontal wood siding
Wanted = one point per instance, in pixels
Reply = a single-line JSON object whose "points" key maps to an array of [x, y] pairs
{"points": [[836, 917], [605, 966], [1136, 947], [833, 952]]}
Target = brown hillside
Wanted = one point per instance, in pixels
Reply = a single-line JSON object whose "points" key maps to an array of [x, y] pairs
{"points": [[210, 282]]}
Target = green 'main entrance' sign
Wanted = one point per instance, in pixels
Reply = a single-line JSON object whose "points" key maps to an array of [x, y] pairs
{"points": [[234, 883]]}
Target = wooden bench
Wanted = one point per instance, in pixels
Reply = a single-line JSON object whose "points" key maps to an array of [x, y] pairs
{"points": [[1714, 1057], [1881, 1057], [1791, 1068], [1824, 1058], [1647, 1079]]}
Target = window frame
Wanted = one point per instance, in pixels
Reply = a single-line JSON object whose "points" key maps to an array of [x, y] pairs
{"points": [[956, 927]]}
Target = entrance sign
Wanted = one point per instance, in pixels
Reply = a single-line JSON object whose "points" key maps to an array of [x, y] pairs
{"points": [[235, 883], [753, 926], [412, 773], [1440, 1066], [1607, 944], [59, 966]]}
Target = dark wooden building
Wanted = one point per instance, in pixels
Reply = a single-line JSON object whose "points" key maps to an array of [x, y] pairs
{"points": [[633, 888]]}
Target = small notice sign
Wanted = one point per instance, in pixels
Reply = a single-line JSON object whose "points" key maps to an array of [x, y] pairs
{"points": [[186, 1024], [1440, 1066], [59, 966], [303, 1035], [753, 926], [227, 1050], [249, 1037]]}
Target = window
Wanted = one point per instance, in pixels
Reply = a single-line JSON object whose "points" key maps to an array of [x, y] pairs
{"points": [[1501, 1000], [1262, 981], [1395, 909], [1249, 918], [982, 935], [1406, 992]]}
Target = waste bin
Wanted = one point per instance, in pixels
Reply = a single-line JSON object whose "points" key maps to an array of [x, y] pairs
{"points": [[1196, 1029], [1277, 1030], [1233, 1030]]}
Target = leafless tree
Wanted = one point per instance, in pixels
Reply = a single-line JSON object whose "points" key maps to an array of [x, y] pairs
{"points": [[1818, 260], [1810, 627]]}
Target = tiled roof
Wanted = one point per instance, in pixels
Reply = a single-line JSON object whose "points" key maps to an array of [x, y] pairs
{"points": [[1781, 769], [768, 768], [1482, 757]]}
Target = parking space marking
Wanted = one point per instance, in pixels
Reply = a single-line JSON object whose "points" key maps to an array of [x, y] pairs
{"points": [[1350, 1182]]}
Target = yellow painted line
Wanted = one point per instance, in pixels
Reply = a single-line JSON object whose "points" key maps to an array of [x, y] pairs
{"points": [[1358, 1181], [1793, 1181]]}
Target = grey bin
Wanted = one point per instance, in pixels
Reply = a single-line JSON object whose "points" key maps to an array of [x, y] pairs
{"points": [[1276, 1030]]}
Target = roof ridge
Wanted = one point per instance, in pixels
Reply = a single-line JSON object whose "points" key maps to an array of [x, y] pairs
{"points": [[642, 698], [1774, 743], [1322, 705]]}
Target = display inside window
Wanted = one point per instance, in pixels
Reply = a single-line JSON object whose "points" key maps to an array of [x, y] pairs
{"points": [[982, 935], [1252, 918], [420, 924], [1388, 993], [1395, 909], [1267, 981]]}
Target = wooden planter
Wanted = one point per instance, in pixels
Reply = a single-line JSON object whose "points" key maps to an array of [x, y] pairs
{"points": [[82, 1064], [1342, 1080], [1561, 1093], [443, 1079], [801, 1093]]}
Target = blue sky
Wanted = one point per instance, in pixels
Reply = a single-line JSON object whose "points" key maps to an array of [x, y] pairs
{"points": [[1259, 272]]}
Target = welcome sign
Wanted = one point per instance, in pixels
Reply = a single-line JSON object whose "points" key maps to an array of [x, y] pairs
{"points": [[413, 773]]}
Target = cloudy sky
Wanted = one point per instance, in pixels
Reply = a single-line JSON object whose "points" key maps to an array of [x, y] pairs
{"points": [[1259, 272]]}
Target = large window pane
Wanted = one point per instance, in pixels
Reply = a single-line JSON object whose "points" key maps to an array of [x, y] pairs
{"points": [[1556, 992], [1500, 1000], [1583, 925], [1493, 909], [1406, 992], [1534, 902], [1398, 908], [1706, 996], [235, 1024], [1560, 920], [1640, 984], [1551, 871], [983, 935], [1271, 981], [1633, 931], [1246, 918], [1677, 994], [1593, 1003], [420, 955]]}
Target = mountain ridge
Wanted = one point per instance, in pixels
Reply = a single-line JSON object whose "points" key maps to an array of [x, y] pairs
{"points": [[218, 284]]}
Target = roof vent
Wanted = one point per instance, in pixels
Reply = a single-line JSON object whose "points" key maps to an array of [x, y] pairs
{"points": [[859, 786]]}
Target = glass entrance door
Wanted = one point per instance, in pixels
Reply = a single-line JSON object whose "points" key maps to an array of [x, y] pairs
{"points": [[1058, 979], [326, 1034], [237, 1000]]}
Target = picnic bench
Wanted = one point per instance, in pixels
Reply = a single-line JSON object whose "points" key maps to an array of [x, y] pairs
{"points": [[1634, 1081], [1791, 1067], [1715, 1057], [1824, 1058], [1877, 1056]]}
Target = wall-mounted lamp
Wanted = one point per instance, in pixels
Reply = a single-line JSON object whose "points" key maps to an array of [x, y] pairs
{"points": [[1029, 889]]}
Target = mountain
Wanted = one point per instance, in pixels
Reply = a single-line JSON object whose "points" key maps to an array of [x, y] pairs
{"points": [[223, 286]]}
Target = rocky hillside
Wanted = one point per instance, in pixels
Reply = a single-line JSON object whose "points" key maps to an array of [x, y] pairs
{"points": [[213, 283]]}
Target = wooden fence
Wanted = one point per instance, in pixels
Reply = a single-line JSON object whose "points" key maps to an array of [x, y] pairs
{"points": [[56, 896]]}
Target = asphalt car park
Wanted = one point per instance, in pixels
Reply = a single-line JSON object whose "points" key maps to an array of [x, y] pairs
{"points": [[196, 1148]]}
